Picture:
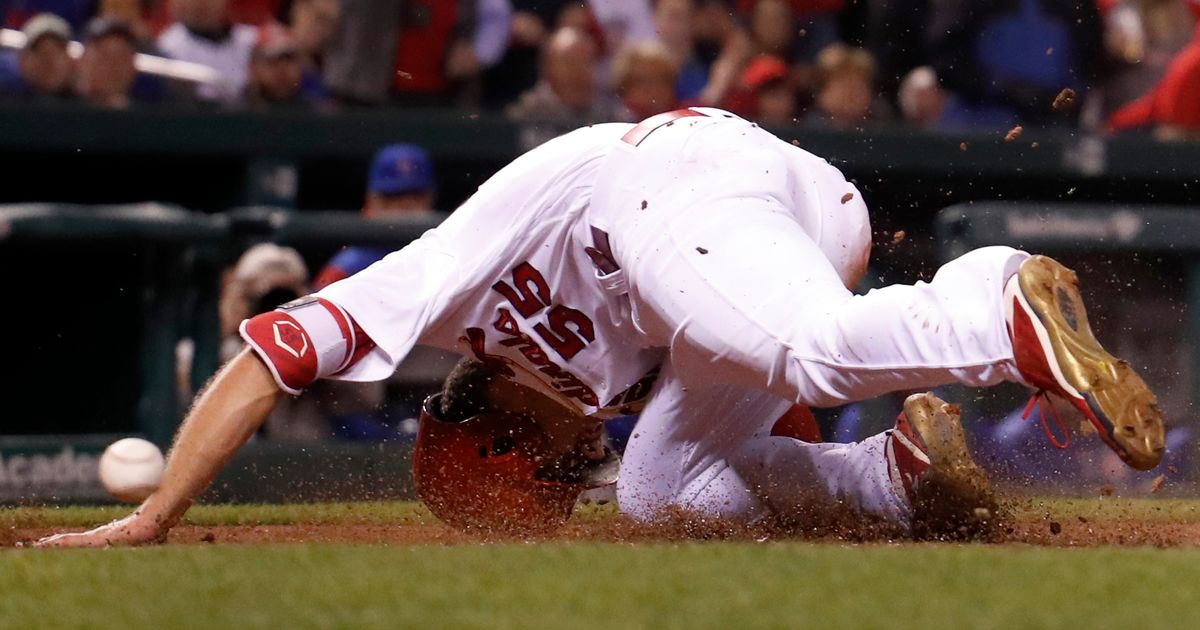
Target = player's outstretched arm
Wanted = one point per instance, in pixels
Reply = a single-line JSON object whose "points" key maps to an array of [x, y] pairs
{"points": [[224, 417]]}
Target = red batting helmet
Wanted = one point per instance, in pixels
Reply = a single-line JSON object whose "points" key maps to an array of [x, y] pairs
{"points": [[493, 472]]}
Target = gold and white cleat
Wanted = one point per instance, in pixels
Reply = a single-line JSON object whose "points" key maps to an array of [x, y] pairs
{"points": [[930, 462], [1057, 353]]}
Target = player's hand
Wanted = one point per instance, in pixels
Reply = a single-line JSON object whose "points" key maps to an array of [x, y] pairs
{"points": [[131, 530]]}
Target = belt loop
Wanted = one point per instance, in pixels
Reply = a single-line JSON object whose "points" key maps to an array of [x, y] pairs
{"points": [[610, 276]]}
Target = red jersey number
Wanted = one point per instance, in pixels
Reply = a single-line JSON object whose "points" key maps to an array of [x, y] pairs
{"points": [[566, 330]]}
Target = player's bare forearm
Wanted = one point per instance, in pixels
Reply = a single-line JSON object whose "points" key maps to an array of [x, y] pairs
{"points": [[225, 415]]}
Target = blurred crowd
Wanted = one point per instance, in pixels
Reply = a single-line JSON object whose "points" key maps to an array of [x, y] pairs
{"points": [[841, 64]]}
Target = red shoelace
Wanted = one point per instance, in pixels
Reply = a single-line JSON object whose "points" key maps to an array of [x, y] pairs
{"points": [[1042, 400]]}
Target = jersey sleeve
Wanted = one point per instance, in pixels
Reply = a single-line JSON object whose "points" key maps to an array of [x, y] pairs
{"points": [[305, 340], [397, 302]]}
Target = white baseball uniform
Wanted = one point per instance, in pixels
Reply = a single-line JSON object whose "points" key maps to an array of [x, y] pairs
{"points": [[693, 264]]}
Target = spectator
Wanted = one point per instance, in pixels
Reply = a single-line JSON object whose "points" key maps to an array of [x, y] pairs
{"points": [[147, 88], [44, 67], [766, 93], [436, 52], [206, 34], [1008, 59], [565, 93], [131, 12], [721, 45], [400, 183], [794, 30], [846, 91], [516, 70], [1171, 109], [15, 13], [773, 28], [673, 21], [106, 69], [774, 32], [1141, 37], [355, 69], [313, 25], [621, 21], [922, 100], [265, 276], [428, 38], [705, 75], [645, 74], [276, 72]]}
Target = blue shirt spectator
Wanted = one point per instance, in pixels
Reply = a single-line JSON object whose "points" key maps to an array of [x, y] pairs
{"points": [[1014, 55]]}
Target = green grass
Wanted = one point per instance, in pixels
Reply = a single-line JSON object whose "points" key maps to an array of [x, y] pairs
{"points": [[708, 585], [559, 585]]}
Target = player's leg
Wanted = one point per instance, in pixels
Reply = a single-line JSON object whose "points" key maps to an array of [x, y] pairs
{"points": [[741, 293], [724, 269], [762, 307], [707, 449]]}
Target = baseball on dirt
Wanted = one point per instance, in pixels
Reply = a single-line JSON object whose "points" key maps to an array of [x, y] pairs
{"points": [[131, 469]]}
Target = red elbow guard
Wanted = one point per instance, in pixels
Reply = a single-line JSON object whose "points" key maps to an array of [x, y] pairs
{"points": [[305, 340]]}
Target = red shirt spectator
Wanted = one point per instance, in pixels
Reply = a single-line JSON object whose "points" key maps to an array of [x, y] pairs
{"points": [[1172, 106], [255, 12], [426, 33]]}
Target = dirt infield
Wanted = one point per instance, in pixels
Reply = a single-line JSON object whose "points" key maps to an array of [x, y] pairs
{"points": [[1029, 522]]}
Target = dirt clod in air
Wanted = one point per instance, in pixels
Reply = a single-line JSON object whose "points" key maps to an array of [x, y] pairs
{"points": [[1157, 484], [644, 204], [702, 250], [1014, 133], [898, 235], [1065, 99], [847, 197], [962, 146]]}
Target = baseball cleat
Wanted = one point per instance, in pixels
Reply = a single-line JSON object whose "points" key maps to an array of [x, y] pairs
{"points": [[929, 461], [1057, 353]]}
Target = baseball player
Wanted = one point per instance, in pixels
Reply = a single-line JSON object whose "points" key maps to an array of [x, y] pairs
{"points": [[693, 266]]}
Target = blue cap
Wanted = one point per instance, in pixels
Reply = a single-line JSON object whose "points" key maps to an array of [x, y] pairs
{"points": [[400, 168]]}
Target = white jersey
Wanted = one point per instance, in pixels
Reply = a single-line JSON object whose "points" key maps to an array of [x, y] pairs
{"points": [[507, 279]]}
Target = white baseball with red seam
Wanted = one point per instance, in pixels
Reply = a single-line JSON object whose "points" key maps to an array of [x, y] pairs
{"points": [[131, 469]]}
